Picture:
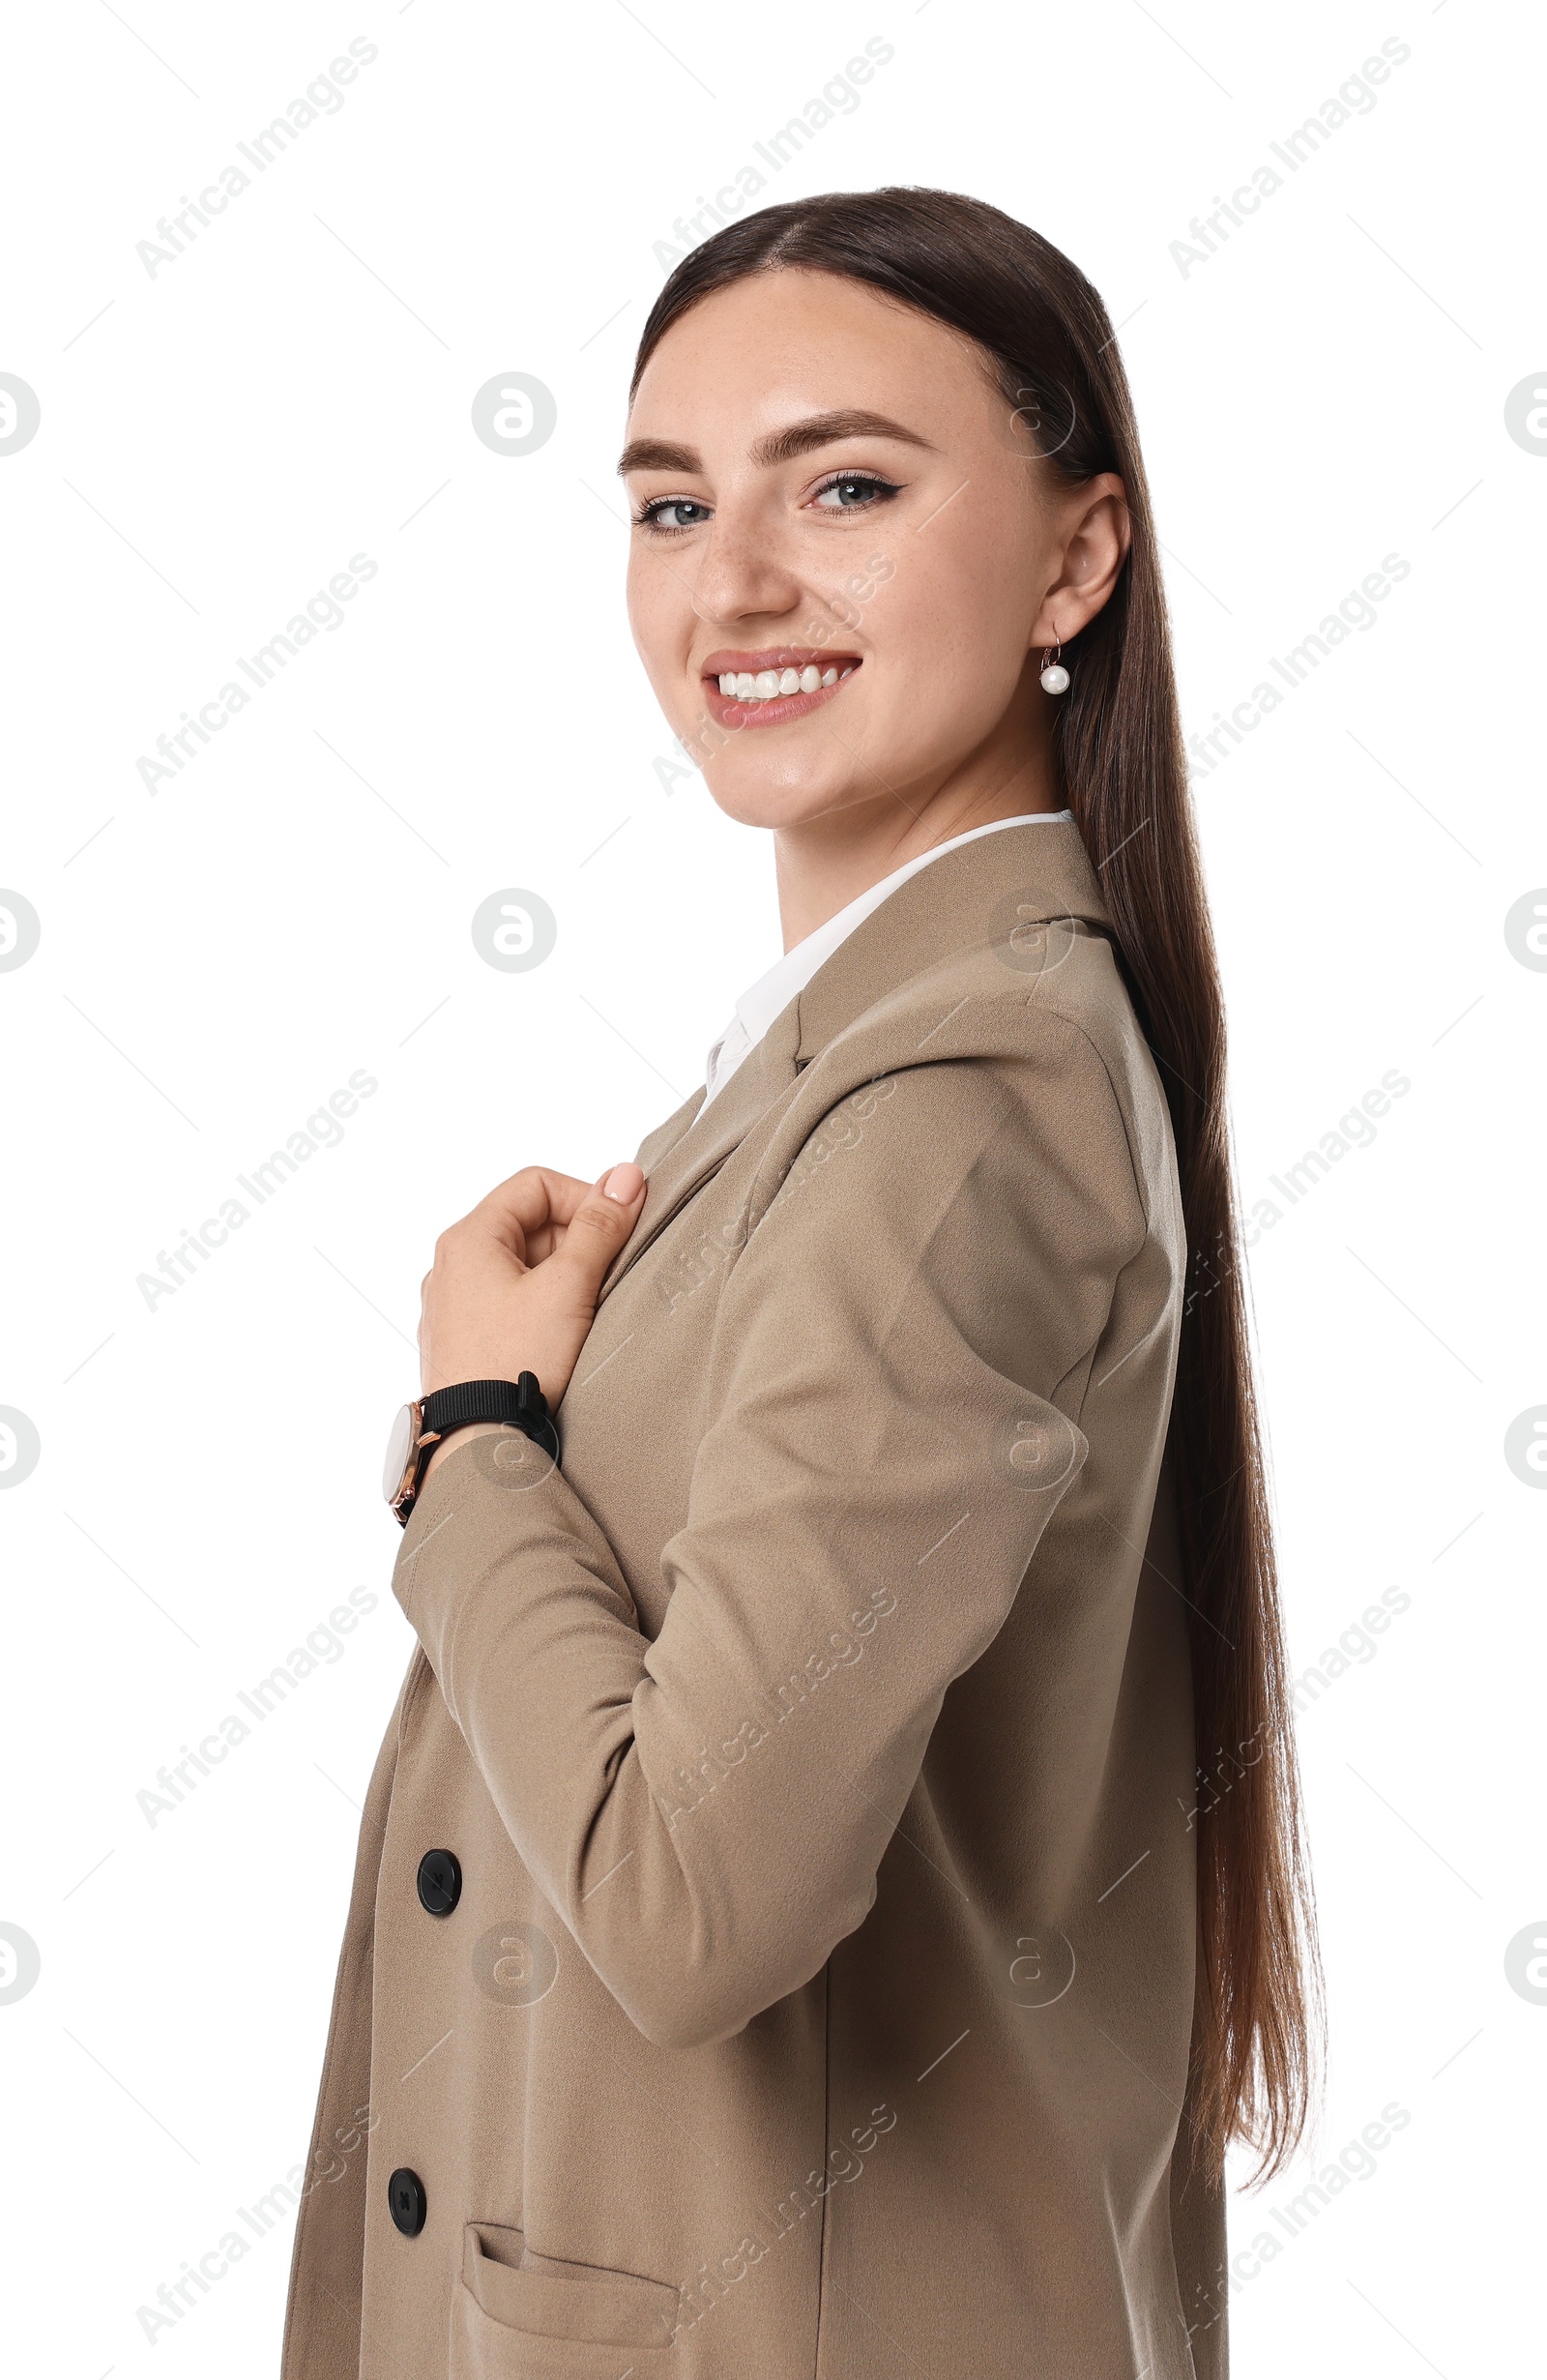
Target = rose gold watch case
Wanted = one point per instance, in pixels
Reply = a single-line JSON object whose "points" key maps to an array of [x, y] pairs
{"points": [[407, 1448]]}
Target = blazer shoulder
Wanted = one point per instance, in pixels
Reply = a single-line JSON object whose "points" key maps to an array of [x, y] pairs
{"points": [[1021, 995], [1042, 1021]]}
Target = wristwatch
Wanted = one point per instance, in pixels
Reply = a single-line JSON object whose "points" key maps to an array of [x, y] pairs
{"points": [[420, 1429]]}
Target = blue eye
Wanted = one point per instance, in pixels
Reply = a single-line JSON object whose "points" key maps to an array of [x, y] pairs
{"points": [[658, 514], [855, 491]]}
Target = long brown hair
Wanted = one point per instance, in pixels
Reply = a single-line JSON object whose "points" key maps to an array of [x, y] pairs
{"points": [[1054, 358]]}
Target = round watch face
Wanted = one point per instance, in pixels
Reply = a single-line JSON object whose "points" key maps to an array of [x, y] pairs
{"points": [[400, 1445]]}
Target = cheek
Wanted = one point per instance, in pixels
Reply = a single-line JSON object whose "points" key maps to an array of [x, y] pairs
{"points": [[975, 572], [660, 621], [642, 599], [952, 627]]}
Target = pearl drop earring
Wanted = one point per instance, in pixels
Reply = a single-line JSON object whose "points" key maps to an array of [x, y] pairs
{"points": [[1055, 677]]}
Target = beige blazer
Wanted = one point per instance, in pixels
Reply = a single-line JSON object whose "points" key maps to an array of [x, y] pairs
{"points": [[814, 1747]]}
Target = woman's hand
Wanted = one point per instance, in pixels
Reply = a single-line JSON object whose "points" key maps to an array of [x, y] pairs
{"points": [[513, 1285]]}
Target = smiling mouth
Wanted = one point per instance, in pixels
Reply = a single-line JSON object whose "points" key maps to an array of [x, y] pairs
{"points": [[766, 689]]}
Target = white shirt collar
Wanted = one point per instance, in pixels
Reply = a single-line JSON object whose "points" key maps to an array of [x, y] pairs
{"points": [[772, 992]]}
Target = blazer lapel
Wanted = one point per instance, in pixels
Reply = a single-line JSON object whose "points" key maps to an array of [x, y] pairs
{"points": [[686, 1163], [655, 1145]]}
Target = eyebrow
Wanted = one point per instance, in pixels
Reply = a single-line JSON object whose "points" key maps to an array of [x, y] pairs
{"points": [[780, 446]]}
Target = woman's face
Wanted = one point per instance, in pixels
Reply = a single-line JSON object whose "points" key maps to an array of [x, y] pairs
{"points": [[844, 561]]}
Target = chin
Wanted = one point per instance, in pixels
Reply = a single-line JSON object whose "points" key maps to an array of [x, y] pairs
{"points": [[779, 797]]}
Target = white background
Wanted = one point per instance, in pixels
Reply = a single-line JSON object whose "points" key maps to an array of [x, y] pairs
{"points": [[216, 440]]}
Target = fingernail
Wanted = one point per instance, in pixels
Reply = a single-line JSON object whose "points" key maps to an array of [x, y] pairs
{"points": [[624, 1184]]}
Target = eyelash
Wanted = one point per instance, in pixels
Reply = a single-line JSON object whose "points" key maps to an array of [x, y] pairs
{"points": [[646, 516]]}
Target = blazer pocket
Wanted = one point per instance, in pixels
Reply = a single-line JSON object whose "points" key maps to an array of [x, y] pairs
{"points": [[517, 2316]]}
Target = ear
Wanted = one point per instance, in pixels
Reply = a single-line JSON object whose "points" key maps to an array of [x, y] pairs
{"points": [[1096, 534]]}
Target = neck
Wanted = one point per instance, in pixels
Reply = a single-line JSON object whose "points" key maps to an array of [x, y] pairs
{"points": [[825, 862]]}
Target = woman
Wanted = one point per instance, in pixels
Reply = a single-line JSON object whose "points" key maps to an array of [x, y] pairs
{"points": [[832, 1888]]}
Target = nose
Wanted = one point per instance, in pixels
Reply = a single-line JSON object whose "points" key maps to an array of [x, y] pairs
{"points": [[743, 570]]}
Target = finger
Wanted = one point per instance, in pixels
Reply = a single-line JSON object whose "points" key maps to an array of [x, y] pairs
{"points": [[532, 1201], [545, 1238], [597, 1229]]}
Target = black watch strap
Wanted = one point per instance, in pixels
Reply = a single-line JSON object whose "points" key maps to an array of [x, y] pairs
{"points": [[519, 1404]]}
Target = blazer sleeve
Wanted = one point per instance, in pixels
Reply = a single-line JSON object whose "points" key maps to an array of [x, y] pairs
{"points": [[890, 1421]]}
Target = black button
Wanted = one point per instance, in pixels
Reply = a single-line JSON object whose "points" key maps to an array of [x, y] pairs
{"points": [[440, 1882], [405, 2196]]}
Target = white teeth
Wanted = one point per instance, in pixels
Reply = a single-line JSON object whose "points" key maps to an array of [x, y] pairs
{"points": [[771, 684]]}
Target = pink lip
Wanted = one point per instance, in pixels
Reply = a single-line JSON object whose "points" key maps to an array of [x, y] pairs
{"points": [[727, 712]]}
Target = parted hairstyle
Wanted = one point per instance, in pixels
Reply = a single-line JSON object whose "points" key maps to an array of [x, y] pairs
{"points": [[1050, 353]]}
